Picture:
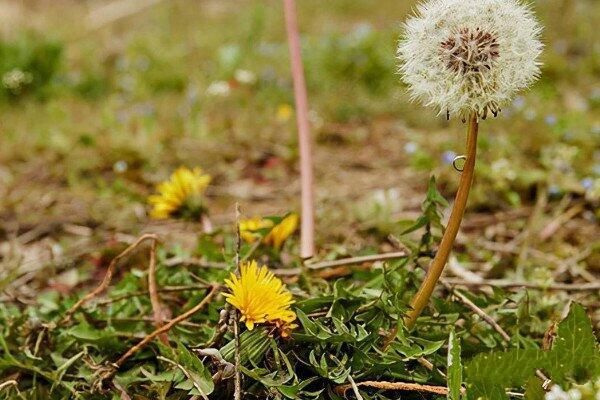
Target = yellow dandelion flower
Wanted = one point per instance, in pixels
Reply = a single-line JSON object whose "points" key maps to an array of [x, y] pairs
{"points": [[180, 194], [282, 231], [259, 296], [284, 112], [249, 228]]}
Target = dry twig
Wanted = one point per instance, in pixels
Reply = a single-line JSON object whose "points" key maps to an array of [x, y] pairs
{"points": [[357, 260], [157, 309], [107, 277], [195, 262], [559, 221], [167, 327], [8, 383], [412, 387], [569, 287], [489, 320]]}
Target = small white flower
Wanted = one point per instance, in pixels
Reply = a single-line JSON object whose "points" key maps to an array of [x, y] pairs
{"points": [[15, 79], [465, 56], [245, 77], [218, 88], [557, 393]]}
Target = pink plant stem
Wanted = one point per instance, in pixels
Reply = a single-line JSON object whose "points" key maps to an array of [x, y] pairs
{"points": [[307, 228]]}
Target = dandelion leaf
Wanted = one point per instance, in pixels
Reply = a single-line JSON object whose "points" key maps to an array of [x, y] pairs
{"points": [[455, 370], [575, 352]]}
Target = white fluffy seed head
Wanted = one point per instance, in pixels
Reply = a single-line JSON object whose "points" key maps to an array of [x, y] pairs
{"points": [[470, 56]]}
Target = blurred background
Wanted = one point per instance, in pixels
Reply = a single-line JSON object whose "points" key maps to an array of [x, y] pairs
{"points": [[101, 100]]}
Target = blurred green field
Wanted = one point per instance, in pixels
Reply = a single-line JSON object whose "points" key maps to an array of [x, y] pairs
{"points": [[96, 112]]}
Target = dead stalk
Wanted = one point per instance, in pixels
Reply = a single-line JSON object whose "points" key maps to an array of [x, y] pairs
{"points": [[157, 309], [489, 320], [307, 245], [567, 287], [412, 387], [8, 383], [167, 327], [357, 260], [107, 277]]}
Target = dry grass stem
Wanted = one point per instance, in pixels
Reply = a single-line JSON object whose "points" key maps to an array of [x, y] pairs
{"points": [[107, 277], [157, 309], [168, 326], [411, 387], [357, 260]]}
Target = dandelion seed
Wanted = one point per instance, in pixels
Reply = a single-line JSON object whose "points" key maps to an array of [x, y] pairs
{"points": [[181, 195], [260, 297], [465, 56]]}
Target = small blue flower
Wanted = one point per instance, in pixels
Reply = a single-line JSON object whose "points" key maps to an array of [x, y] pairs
{"points": [[448, 157], [550, 119], [519, 102], [587, 183], [567, 136], [410, 147], [554, 191], [120, 166]]}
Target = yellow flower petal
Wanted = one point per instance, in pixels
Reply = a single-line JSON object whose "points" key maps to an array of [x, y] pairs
{"points": [[249, 228], [282, 231], [259, 296], [183, 185]]}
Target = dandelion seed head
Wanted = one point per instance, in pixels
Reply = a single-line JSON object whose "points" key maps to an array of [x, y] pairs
{"points": [[465, 56]]}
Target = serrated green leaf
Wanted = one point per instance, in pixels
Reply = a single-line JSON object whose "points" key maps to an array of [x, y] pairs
{"points": [[486, 391], [575, 350], [574, 356], [534, 390], [507, 369]]}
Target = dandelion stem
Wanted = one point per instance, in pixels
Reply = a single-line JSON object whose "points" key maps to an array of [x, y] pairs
{"points": [[441, 258], [307, 229]]}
